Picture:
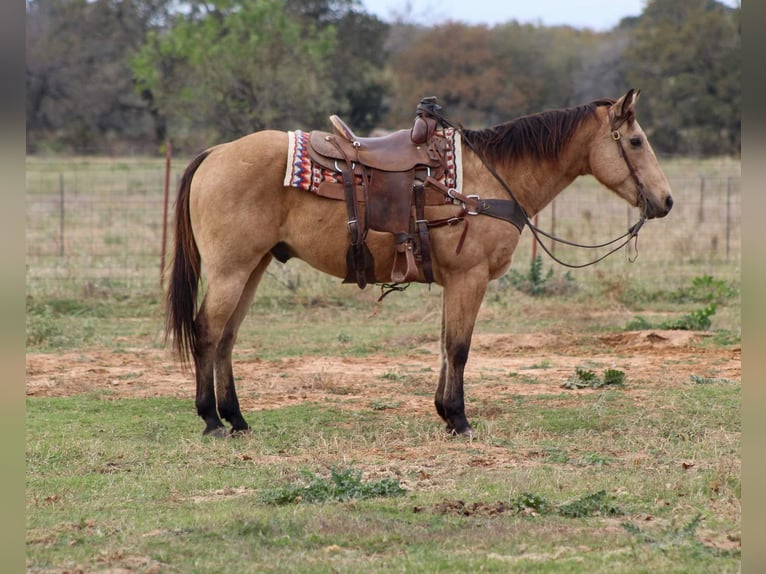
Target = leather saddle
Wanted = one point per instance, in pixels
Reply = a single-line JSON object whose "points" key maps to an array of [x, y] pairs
{"points": [[384, 187]]}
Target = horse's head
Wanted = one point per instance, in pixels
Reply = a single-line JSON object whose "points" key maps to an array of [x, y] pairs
{"points": [[622, 159]]}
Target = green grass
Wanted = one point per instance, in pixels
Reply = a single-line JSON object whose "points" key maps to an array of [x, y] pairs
{"points": [[349, 322], [118, 482]]}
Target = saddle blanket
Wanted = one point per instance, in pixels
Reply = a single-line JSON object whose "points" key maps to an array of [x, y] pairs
{"points": [[302, 173]]}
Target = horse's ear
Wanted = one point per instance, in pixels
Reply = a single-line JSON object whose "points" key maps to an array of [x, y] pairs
{"points": [[624, 108]]}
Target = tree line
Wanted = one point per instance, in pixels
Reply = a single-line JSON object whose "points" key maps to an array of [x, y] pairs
{"points": [[106, 76]]}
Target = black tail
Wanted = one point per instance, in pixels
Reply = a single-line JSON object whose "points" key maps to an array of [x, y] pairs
{"points": [[181, 298]]}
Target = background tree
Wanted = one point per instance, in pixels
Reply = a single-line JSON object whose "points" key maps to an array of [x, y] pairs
{"points": [[485, 76], [544, 63], [115, 75], [602, 70], [237, 67], [359, 69], [686, 54], [80, 91], [457, 64], [359, 60]]}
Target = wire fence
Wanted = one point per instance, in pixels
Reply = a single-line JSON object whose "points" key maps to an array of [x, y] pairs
{"points": [[95, 225]]}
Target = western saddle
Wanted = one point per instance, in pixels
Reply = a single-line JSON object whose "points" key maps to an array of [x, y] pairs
{"points": [[386, 184]]}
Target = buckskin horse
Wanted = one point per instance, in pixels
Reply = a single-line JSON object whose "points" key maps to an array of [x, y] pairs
{"points": [[234, 213]]}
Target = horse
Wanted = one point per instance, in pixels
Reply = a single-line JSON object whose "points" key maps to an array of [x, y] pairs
{"points": [[234, 215]]}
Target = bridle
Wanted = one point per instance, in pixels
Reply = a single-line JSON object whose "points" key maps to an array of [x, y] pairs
{"points": [[615, 124]]}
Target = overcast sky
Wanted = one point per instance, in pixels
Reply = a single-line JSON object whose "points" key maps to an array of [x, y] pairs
{"points": [[597, 15]]}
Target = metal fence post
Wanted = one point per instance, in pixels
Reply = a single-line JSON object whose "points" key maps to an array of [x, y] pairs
{"points": [[61, 215], [168, 153], [728, 214]]}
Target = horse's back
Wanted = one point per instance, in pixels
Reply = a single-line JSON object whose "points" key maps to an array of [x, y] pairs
{"points": [[256, 155]]}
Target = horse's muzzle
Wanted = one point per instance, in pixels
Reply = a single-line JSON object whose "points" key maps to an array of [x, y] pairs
{"points": [[654, 210]]}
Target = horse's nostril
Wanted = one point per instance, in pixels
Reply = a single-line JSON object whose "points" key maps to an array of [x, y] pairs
{"points": [[668, 203]]}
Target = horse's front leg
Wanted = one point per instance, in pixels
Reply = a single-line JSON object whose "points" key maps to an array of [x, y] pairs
{"points": [[461, 301]]}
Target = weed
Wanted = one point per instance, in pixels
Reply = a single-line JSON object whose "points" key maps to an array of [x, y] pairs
{"points": [[526, 502], [638, 324], [703, 289], [341, 486], [698, 320], [613, 377], [41, 328], [706, 289], [538, 283], [587, 379], [594, 504]]}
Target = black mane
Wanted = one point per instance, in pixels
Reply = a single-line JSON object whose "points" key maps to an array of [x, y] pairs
{"points": [[540, 136]]}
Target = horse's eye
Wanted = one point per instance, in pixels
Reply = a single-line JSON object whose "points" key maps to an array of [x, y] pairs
{"points": [[636, 141]]}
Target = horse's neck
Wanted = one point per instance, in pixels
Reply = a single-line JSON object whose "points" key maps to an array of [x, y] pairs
{"points": [[536, 183]]}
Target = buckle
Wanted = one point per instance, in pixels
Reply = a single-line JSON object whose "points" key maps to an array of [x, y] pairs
{"points": [[468, 211]]}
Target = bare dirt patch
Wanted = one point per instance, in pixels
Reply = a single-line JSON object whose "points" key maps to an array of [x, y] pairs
{"points": [[499, 365]]}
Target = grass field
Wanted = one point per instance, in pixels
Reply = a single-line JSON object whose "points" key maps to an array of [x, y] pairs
{"points": [[348, 468]]}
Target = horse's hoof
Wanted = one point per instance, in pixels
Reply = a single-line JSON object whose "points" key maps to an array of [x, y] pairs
{"points": [[216, 432], [239, 432]]}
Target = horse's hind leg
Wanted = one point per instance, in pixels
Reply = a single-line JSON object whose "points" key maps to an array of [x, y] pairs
{"points": [[221, 300], [226, 394]]}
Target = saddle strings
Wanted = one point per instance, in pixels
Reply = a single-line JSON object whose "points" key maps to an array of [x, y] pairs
{"points": [[536, 231]]}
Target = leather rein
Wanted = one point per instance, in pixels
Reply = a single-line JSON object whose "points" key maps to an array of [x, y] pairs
{"points": [[536, 231]]}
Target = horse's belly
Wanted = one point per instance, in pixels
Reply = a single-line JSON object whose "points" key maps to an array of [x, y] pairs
{"points": [[316, 231]]}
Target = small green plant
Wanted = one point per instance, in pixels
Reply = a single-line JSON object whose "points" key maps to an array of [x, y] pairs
{"points": [[587, 379], [638, 324], [594, 504], [613, 377], [698, 320], [534, 502], [703, 289], [706, 289], [535, 276], [391, 376], [537, 282], [41, 326], [340, 486]]}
